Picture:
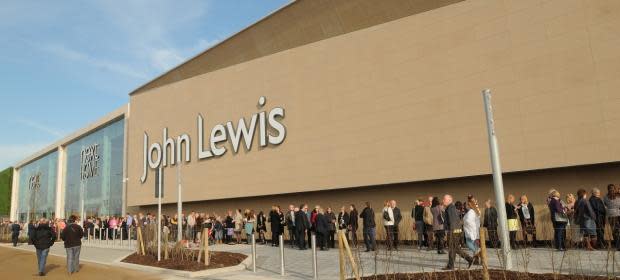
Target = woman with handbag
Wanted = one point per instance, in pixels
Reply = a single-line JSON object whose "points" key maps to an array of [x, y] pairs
{"points": [[559, 219], [513, 223]]}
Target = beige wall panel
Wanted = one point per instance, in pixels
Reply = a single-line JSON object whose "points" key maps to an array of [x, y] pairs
{"points": [[400, 102]]}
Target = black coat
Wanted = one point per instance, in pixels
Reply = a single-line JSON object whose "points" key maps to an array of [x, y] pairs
{"points": [[368, 218], [453, 220], [72, 235], [397, 216], [301, 221], [511, 212], [599, 210], [15, 228], [43, 237], [343, 220], [583, 210], [353, 220], [322, 223], [490, 218], [276, 221], [530, 208]]}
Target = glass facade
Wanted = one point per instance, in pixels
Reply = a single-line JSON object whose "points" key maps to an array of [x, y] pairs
{"points": [[37, 188], [93, 180]]}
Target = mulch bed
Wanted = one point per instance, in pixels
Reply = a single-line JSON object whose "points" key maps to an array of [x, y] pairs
{"points": [[477, 275], [218, 260]]}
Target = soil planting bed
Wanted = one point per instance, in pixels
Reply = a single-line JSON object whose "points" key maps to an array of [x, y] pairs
{"points": [[477, 275], [218, 260]]}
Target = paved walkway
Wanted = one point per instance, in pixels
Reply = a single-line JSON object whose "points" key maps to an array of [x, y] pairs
{"points": [[298, 264]]}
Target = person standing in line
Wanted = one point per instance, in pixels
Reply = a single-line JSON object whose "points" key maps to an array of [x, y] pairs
{"points": [[353, 224], [290, 224], [428, 224], [322, 229], [191, 224], [15, 229], [368, 222], [559, 219], [471, 227], [513, 224], [600, 213], [261, 224], [417, 214], [43, 238], [250, 223], [31, 228], [238, 225], [72, 236], [274, 220], [301, 226], [585, 218], [490, 222], [343, 219], [438, 218], [527, 216], [331, 227], [312, 218], [453, 226], [571, 226], [398, 217], [612, 203], [388, 225]]}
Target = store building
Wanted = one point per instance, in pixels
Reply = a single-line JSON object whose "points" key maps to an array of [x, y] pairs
{"points": [[343, 102]]}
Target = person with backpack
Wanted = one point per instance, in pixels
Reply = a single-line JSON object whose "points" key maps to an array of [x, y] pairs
{"points": [[42, 238], [72, 235]]}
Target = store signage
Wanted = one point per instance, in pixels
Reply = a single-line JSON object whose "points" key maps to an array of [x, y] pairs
{"points": [[89, 162], [34, 182], [270, 132]]}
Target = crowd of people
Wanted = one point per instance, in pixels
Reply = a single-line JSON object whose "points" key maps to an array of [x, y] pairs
{"points": [[439, 223]]}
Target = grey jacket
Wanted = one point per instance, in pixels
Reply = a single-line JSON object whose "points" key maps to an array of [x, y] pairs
{"points": [[452, 220]]}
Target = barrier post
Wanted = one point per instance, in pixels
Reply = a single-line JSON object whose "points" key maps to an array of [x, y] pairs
{"points": [[107, 236], [129, 238], [114, 237], [281, 240], [253, 253], [100, 231], [314, 264], [121, 237], [483, 255]]}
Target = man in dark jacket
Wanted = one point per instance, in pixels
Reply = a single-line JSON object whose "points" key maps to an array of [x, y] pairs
{"points": [[72, 235], [301, 226], [322, 228], [368, 221], [43, 238], [600, 212], [453, 227], [397, 218], [15, 228]]}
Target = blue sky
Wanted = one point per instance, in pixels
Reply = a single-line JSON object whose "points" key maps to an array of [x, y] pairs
{"points": [[64, 64]]}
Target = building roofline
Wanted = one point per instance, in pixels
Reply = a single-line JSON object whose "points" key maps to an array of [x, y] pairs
{"points": [[139, 88], [115, 115]]}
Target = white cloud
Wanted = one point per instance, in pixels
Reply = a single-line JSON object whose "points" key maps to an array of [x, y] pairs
{"points": [[107, 65], [12, 153], [41, 127]]}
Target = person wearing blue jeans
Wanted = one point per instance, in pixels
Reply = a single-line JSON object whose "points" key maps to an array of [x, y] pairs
{"points": [[42, 238], [369, 229], [72, 235]]}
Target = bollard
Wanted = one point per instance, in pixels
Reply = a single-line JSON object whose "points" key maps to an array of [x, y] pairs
{"points": [[253, 253], [121, 237], [281, 239], [107, 236], [129, 238], [314, 266], [100, 230], [114, 237]]}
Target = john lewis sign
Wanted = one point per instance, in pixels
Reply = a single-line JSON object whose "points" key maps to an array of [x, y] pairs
{"points": [[267, 125]]}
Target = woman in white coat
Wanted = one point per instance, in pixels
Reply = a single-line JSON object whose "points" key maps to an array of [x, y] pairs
{"points": [[471, 227]]}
